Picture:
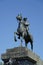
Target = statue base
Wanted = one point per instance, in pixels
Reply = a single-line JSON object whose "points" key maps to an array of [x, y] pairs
{"points": [[20, 56]]}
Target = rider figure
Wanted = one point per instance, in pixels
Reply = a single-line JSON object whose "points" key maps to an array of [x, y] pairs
{"points": [[23, 24], [26, 24]]}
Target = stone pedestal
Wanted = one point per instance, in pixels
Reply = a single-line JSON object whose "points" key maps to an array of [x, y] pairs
{"points": [[20, 56]]}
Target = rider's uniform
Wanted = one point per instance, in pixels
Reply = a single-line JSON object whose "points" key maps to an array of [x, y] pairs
{"points": [[23, 25]]}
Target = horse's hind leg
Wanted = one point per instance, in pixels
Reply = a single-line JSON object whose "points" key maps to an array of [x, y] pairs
{"points": [[31, 41], [25, 44], [31, 46]]}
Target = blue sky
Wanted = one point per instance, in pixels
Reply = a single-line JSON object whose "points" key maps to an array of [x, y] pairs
{"points": [[33, 10]]}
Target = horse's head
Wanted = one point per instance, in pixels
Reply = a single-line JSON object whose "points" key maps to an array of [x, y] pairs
{"points": [[19, 17]]}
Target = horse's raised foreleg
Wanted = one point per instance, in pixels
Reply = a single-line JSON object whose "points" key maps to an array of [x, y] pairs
{"points": [[16, 33], [15, 36]]}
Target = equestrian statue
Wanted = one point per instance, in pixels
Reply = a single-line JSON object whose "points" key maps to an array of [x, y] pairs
{"points": [[22, 31]]}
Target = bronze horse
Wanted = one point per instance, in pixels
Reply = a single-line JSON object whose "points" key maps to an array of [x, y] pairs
{"points": [[25, 34]]}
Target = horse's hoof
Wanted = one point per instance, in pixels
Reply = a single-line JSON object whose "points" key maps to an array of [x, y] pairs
{"points": [[15, 39]]}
